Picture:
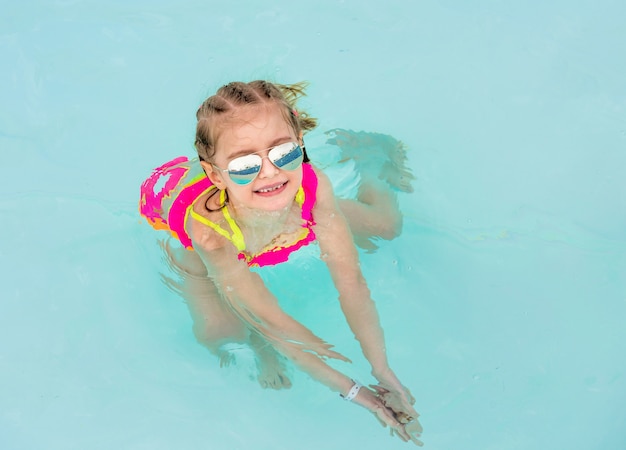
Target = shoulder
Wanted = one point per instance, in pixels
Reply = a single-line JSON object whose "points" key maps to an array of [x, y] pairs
{"points": [[217, 253], [324, 186], [326, 207]]}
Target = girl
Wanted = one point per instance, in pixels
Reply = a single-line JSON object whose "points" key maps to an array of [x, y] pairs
{"points": [[252, 200]]}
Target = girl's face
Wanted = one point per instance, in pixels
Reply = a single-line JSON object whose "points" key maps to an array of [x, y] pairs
{"points": [[255, 129]]}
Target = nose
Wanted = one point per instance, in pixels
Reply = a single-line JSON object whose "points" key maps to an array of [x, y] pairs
{"points": [[268, 169]]}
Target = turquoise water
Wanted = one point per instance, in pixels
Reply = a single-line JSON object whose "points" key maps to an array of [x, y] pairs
{"points": [[503, 301]]}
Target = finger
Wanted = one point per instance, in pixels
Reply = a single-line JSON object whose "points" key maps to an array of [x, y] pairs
{"points": [[340, 357], [381, 421], [406, 398], [386, 415], [332, 354], [414, 435], [410, 396], [414, 427], [416, 441], [395, 426], [379, 389], [408, 406], [410, 411], [401, 434]]}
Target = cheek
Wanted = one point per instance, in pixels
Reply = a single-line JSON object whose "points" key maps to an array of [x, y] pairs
{"points": [[295, 181], [238, 190], [296, 176]]}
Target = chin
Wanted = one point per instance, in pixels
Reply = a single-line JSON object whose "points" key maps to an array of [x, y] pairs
{"points": [[274, 205], [275, 201]]}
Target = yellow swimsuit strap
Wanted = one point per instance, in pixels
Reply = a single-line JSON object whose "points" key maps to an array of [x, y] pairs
{"points": [[236, 237]]}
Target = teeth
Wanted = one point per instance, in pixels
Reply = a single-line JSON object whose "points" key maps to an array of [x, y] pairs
{"points": [[271, 189]]}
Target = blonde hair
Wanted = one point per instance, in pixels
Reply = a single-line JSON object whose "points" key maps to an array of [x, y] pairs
{"points": [[237, 94]]}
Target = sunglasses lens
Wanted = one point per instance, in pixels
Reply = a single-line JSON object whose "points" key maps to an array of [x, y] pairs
{"points": [[244, 169], [286, 156]]}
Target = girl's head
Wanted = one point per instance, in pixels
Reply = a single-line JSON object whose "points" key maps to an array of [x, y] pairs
{"points": [[221, 110], [256, 122]]}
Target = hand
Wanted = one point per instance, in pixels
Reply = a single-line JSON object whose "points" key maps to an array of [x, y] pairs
{"points": [[400, 404], [399, 399], [395, 395], [369, 399], [407, 416]]}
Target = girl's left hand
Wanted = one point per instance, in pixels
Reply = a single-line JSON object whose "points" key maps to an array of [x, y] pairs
{"points": [[399, 399], [375, 404], [402, 410], [393, 391]]}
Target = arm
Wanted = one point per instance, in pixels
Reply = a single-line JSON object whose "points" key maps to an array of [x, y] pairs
{"points": [[250, 299], [341, 256]]}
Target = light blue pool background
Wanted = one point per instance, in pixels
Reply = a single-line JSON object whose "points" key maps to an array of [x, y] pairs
{"points": [[504, 301]]}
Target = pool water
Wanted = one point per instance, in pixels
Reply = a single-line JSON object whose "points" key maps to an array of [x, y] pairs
{"points": [[503, 302]]}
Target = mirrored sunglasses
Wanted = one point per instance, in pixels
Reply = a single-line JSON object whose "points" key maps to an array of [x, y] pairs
{"points": [[244, 169]]}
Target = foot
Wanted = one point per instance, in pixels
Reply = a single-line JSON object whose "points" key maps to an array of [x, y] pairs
{"points": [[270, 365], [227, 358], [376, 155]]}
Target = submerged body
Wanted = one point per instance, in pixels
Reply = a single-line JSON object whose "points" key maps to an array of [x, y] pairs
{"points": [[255, 204]]}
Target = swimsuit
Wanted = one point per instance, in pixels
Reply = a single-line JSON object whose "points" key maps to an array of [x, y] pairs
{"points": [[168, 195]]}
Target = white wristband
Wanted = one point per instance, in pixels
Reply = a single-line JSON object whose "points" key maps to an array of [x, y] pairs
{"points": [[354, 390]]}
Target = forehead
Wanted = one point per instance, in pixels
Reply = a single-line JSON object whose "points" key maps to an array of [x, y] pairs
{"points": [[252, 126]]}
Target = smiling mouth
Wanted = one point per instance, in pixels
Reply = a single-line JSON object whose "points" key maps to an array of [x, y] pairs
{"points": [[271, 188]]}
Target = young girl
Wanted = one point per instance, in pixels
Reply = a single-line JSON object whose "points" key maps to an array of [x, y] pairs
{"points": [[253, 199]]}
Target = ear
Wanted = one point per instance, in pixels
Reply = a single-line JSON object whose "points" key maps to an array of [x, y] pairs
{"points": [[300, 136], [214, 175]]}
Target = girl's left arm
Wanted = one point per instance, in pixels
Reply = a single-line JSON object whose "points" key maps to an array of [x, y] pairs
{"points": [[341, 256]]}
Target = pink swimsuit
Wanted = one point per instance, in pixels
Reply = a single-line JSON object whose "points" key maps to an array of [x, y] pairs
{"points": [[184, 181]]}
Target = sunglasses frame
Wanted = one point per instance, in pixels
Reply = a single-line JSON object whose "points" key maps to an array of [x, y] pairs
{"points": [[239, 182]]}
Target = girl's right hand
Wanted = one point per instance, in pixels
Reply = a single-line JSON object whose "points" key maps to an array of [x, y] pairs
{"points": [[370, 400]]}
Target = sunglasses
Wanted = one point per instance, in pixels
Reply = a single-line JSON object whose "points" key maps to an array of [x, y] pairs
{"points": [[244, 169]]}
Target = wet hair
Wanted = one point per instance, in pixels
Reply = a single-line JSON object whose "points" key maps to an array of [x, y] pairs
{"points": [[238, 94]]}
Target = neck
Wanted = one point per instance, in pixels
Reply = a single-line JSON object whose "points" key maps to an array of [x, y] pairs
{"points": [[258, 218], [260, 227]]}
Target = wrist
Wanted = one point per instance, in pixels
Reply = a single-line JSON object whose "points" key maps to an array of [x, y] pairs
{"points": [[382, 373], [353, 392]]}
